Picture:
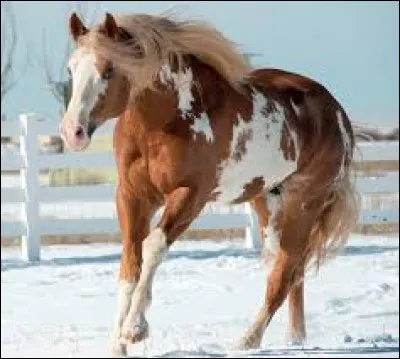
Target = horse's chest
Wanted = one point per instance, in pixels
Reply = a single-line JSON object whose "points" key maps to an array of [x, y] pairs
{"points": [[263, 151]]}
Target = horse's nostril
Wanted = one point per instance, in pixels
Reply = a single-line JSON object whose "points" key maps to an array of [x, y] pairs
{"points": [[79, 133]]}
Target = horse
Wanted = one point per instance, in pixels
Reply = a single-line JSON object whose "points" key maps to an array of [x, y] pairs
{"points": [[196, 123]]}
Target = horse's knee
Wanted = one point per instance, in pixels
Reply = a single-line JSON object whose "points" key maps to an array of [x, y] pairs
{"points": [[153, 249]]}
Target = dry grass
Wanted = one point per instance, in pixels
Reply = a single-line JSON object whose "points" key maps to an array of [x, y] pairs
{"points": [[65, 177], [104, 144], [236, 235], [81, 176], [223, 234], [71, 177], [368, 168], [378, 228]]}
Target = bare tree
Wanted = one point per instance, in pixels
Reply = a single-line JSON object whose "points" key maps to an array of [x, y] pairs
{"points": [[9, 42], [363, 132], [59, 85], [8, 45]]}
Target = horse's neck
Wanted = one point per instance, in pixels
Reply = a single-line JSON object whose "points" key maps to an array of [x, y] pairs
{"points": [[196, 87]]}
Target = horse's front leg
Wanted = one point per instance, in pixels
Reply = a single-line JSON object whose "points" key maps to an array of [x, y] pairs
{"points": [[134, 216], [181, 207]]}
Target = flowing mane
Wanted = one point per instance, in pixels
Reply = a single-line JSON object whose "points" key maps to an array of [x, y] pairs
{"points": [[157, 40]]}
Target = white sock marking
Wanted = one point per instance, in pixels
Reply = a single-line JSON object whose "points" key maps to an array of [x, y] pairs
{"points": [[272, 240], [124, 299], [154, 248]]}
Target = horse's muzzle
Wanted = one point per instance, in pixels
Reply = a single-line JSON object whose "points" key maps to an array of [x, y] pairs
{"points": [[75, 136]]}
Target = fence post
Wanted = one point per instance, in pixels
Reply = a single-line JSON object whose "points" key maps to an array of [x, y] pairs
{"points": [[252, 231], [29, 151]]}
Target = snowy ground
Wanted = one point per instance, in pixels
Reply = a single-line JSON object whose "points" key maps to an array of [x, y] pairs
{"points": [[205, 294]]}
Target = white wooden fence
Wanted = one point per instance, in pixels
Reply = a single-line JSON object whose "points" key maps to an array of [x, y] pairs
{"points": [[30, 161]]}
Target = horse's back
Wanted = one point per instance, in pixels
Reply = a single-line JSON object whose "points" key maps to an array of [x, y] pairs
{"points": [[318, 113], [283, 81], [321, 125]]}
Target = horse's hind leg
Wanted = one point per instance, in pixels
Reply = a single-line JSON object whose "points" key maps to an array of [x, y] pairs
{"points": [[278, 286], [264, 208], [265, 212], [287, 234], [297, 326]]}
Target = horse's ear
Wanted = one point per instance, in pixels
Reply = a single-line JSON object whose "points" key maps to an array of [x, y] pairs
{"points": [[76, 26], [110, 27]]}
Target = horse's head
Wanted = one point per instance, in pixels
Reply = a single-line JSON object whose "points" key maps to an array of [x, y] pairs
{"points": [[99, 90]]}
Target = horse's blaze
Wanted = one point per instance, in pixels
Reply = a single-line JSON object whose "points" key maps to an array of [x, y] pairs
{"points": [[87, 87]]}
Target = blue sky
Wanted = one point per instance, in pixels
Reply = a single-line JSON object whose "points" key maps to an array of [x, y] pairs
{"points": [[350, 47]]}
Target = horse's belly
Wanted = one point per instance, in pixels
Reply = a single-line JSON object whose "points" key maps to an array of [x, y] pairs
{"points": [[247, 179], [260, 157]]}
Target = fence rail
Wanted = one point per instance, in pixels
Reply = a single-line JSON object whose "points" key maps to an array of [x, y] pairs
{"points": [[30, 161]]}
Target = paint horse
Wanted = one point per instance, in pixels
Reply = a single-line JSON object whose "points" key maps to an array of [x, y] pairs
{"points": [[196, 124]]}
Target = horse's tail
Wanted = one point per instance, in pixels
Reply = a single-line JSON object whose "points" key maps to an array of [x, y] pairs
{"points": [[335, 220], [337, 204]]}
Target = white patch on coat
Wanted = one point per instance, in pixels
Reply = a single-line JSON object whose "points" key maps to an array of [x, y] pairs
{"points": [[126, 289], [154, 248], [183, 82], [87, 86], [295, 107], [272, 234], [202, 125], [263, 157], [345, 140], [294, 140]]}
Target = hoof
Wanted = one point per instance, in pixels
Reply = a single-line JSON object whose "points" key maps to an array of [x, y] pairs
{"points": [[135, 334], [248, 342], [118, 350], [296, 342]]}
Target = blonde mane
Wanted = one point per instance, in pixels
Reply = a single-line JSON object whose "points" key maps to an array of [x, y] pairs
{"points": [[157, 40]]}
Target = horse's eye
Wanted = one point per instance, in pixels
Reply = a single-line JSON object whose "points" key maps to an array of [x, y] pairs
{"points": [[107, 74], [69, 72]]}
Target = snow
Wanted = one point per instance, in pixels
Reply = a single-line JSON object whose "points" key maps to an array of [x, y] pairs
{"points": [[205, 294]]}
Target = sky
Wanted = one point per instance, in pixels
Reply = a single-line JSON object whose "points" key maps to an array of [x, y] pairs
{"points": [[352, 48]]}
